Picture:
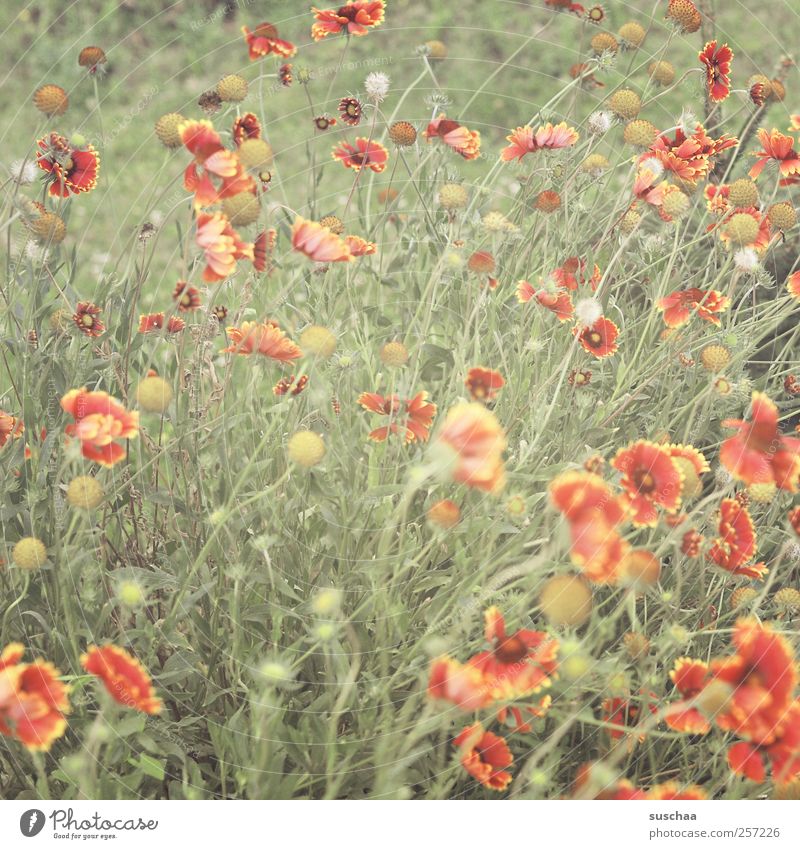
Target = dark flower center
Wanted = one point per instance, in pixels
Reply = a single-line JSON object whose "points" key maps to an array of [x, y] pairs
{"points": [[510, 650], [644, 481]]}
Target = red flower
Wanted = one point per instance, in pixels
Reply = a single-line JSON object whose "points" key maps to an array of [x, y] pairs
{"points": [[99, 420], [778, 148], [794, 519], [650, 479], [461, 684], [558, 301], [525, 140], [465, 142], [263, 248], [626, 714], [188, 297], [573, 273], [484, 383], [600, 339], [123, 676], [264, 338], [782, 756], [793, 285], [672, 791], [72, 169], [689, 677], [476, 441], [758, 453], [211, 162], [413, 417], [318, 243], [359, 246], [221, 245], [484, 756], [718, 69], [735, 546], [350, 110], [245, 127], [355, 17], [518, 664], [366, 154], [288, 385], [264, 40], [86, 319], [678, 306], [32, 700], [594, 514]]}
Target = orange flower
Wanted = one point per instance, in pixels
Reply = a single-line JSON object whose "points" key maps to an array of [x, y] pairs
{"points": [[355, 17], [10, 427], [32, 700], [599, 339], [318, 243], [678, 306], [793, 285], [154, 321], [783, 755], [262, 338], [221, 245], [484, 383], [670, 790], [690, 158], [587, 786], [794, 519], [245, 127], [735, 546], [763, 236], [558, 301], [462, 685], [524, 140], [211, 161], [71, 169], [186, 296], [444, 514], [762, 676], [718, 68], [647, 186], [359, 246], [477, 441], [689, 677], [465, 142], [99, 420], [264, 40], [594, 514], [650, 479], [412, 417], [778, 148], [366, 154], [484, 756], [263, 248], [573, 273], [758, 453], [123, 676]]}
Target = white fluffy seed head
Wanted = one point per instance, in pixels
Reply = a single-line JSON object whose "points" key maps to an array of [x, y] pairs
{"points": [[587, 311], [600, 122], [377, 86], [745, 259]]}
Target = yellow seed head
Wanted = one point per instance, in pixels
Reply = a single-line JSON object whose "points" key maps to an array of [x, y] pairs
{"points": [[675, 203], [85, 492], [662, 72], [130, 593], [453, 196], [640, 568], [788, 598], [714, 697], [640, 133], [741, 229], [305, 448], [402, 133], [394, 354], [743, 597], [625, 103], [684, 14], [743, 192], [318, 341], [762, 493], [691, 486], [602, 42], [436, 49], [595, 163], [154, 394], [167, 129], [782, 215], [636, 645], [255, 154], [715, 358], [232, 88], [632, 34], [29, 553], [48, 228], [566, 600], [242, 209], [333, 223], [630, 221]]}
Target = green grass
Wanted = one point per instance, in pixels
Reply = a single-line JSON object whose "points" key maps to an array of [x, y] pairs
{"points": [[273, 686]]}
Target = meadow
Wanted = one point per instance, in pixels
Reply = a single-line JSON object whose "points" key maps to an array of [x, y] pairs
{"points": [[399, 400]]}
